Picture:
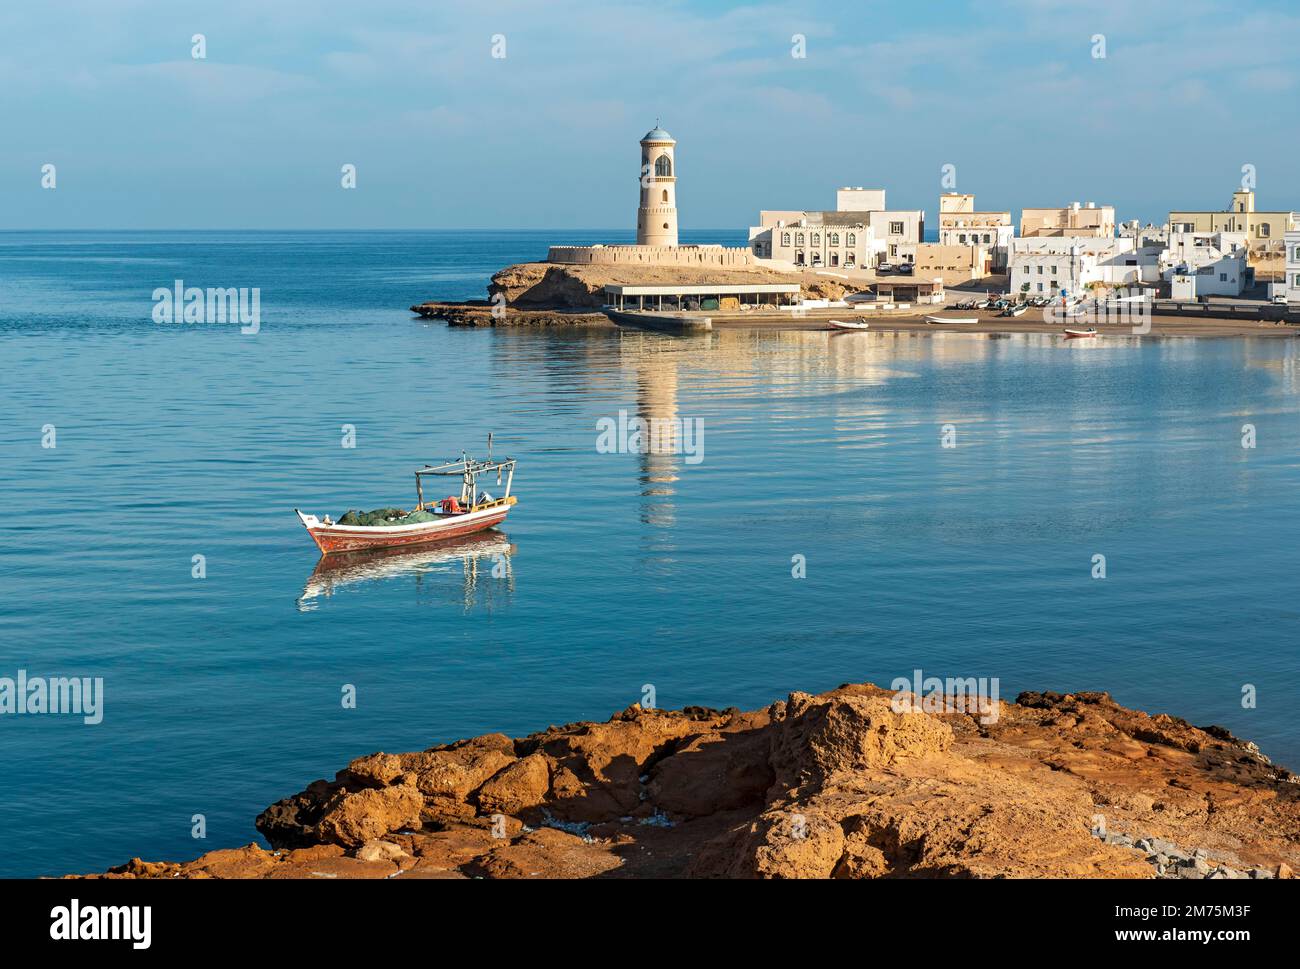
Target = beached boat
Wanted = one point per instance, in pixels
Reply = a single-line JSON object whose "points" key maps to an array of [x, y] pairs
{"points": [[1019, 309], [952, 319], [1079, 334], [472, 510], [849, 325]]}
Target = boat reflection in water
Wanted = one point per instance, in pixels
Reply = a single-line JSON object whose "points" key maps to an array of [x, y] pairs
{"points": [[483, 561]]}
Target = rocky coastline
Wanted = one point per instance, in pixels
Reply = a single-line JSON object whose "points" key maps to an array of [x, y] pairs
{"points": [[846, 784], [548, 294]]}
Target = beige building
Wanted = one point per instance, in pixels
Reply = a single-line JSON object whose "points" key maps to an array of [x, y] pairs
{"points": [[1089, 221], [953, 264], [859, 234], [1265, 231], [832, 240], [961, 225]]}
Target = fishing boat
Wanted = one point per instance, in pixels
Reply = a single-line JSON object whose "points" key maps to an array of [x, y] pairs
{"points": [[472, 510], [952, 319], [1019, 309], [1079, 334], [850, 325]]}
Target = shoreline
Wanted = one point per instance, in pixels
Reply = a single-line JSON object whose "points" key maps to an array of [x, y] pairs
{"points": [[479, 314], [557, 294], [858, 782]]}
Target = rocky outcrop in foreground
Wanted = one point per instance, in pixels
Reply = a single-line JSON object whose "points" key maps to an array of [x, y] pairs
{"points": [[839, 785]]}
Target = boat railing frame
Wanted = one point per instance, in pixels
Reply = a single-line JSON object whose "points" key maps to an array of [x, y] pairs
{"points": [[468, 470]]}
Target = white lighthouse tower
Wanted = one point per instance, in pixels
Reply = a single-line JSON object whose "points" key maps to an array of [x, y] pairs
{"points": [[656, 219]]}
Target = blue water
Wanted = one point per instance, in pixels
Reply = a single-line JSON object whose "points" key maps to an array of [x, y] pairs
{"points": [[222, 694]]}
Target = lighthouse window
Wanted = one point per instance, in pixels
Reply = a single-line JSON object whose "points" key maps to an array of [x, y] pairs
{"points": [[665, 225], [665, 195], [663, 166]]}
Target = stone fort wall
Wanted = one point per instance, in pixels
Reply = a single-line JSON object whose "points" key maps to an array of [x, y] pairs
{"points": [[711, 256]]}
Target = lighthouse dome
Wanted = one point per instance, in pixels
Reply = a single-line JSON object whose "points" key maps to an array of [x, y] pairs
{"points": [[657, 134]]}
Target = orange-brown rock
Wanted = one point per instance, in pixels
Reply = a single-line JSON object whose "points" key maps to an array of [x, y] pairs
{"points": [[848, 784]]}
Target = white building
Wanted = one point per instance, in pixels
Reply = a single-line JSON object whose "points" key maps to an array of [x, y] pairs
{"points": [[1206, 264], [1293, 268], [821, 240], [859, 234], [1056, 265]]}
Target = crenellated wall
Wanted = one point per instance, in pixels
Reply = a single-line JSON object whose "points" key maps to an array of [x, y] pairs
{"points": [[716, 256]]}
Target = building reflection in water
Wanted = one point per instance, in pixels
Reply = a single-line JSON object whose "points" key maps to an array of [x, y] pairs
{"points": [[794, 365], [471, 572]]}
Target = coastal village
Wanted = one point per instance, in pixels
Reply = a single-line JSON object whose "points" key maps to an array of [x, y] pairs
{"points": [[1239, 266]]}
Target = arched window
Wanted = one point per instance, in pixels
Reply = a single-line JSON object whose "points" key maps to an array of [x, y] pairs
{"points": [[785, 238], [665, 196], [798, 239], [852, 240], [663, 166], [816, 238], [835, 239]]}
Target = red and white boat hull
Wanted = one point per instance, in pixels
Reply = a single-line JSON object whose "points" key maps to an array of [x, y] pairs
{"points": [[351, 538]]}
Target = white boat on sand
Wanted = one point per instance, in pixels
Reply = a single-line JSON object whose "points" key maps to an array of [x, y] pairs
{"points": [[850, 325], [952, 319]]}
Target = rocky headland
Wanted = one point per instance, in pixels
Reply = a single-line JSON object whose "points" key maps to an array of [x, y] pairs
{"points": [[841, 785], [547, 294]]}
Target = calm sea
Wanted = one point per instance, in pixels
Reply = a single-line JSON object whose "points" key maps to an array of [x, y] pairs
{"points": [[617, 571]]}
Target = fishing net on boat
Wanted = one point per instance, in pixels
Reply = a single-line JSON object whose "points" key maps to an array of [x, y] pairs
{"points": [[385, 516]]}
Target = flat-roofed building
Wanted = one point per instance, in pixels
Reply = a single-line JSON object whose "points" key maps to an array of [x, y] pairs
{"points": [[1265, 231], [1053, 266], [1206, 264], [859, 199], [953, 264], [713, 296], [823, 240], [961, 225], [856, 235], [1091, 220], [1293, 268]]}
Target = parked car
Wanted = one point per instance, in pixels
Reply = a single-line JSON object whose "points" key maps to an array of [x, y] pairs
{"points": [[905, 268], [1279, 299], [885, 267]]}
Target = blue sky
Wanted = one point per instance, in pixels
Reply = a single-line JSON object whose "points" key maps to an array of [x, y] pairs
{"points": [[444, 135]]}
